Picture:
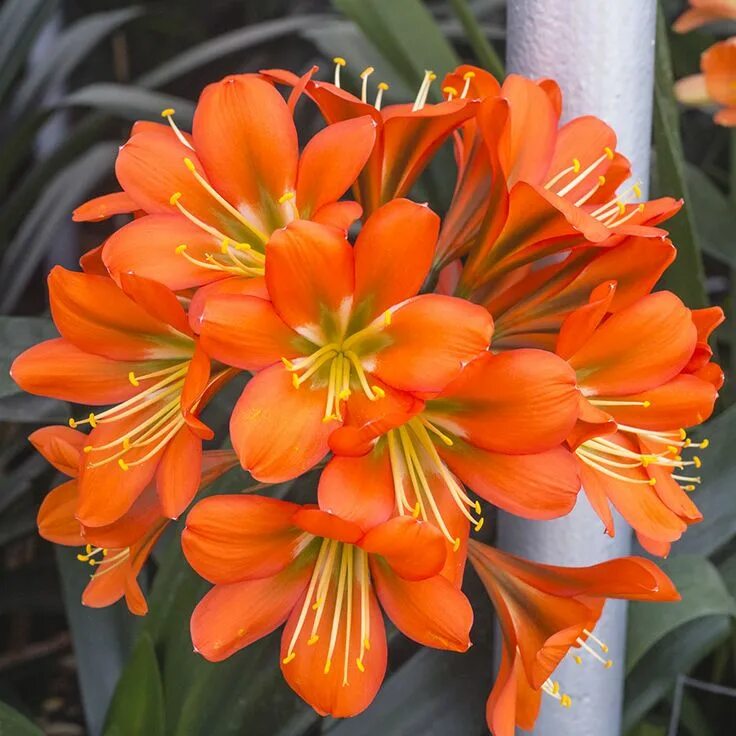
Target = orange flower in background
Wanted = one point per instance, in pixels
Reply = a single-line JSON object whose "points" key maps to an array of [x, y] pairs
{"points": [[118, 551], [716, 85], [644, 377], [273, 561], [551, 188], [498, 428], [407, 135], [702, 12], [133, 349], [545, 611], [214, 198], [342, 323]]}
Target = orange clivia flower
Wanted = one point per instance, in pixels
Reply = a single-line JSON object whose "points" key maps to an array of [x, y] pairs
{"points": [[644, 376], [214, 198], [715, 86], [551, 187], [117, 551], [273, 561], [498, 428], [134, 349], [702, 12], [544, 612], [342, 322], [407, 135]]}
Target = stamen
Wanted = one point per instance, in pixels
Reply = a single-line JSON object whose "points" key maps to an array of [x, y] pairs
{"points": [[575, 168], [338, 608], [382, 87], [421, 98], [583, 175], [616, 402], [607, 663], [450, 92], [168, 113], [591, 635], [591, 192], [468, 76], [621, 221], [364, 606], [348, 552], [364, 76], [339, 62]]}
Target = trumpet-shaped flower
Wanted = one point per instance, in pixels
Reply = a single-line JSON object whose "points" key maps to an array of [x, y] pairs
{"points": [[118, 551], [133, 349], [715, 86], [497, 428], [214, 198], [273, 561], [342, 323], [644, 377], [545, 612]]}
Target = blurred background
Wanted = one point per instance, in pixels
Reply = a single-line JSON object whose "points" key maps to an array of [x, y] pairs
{"points": [[74, 75]]}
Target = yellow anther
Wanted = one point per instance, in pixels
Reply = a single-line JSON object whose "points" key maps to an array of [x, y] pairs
{"points": [[366, 72], [88, 448], [608, 152], [167, 112], [242, 247], [565, 701], [383, 86], [621, 208], [672, 449], [646, 404], [640, 208], [555, 687], [316, 605], [688, 488], [344, 395], [92, 420], [704, 444], [683, 434], [328, 664], [647, 460], [387, 317], [360, 665], [126, 443], [289, 658], [289, 365], [417, 509], [477, 507], [456, 544], [608, 664], [133, 379], [82, 558], [696, 460], [576, 165], [180, 249], [378, 391], [339, 60], [241, 632], [295, 380], [175, 197], [286, 196], [123, 465], [479, 525], [72, 423], [367, 644], [652, 481], [468, 75], [431, 76], [449, 91], [601, 180], [189, 164], [637, 190], [577, 659], [313, 640]]}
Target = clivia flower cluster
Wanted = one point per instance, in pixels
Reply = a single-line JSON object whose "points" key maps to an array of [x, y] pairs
{"points": [[506, 355]]}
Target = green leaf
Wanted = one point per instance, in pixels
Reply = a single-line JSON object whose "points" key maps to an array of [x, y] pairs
{"points": [[703, 594], [229, 43], [17, 334], [130, 102], [686, 275], [714, 216], [484, 52], [406, 34], [137, 706], [65, 191], [102, 639], [714, 496], [13, 723], [71, 47], [669, 638]]}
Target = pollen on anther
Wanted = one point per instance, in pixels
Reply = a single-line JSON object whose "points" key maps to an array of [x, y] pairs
{"points": [[72, 423], [339, 61], [189, 164], [637, 190], [468, 75], [132, 378], [123, 465], [366, 72], [652, 481], [167, 112], [313, 640], [601, 180], [387, 317], [88, 448], [295, 380], [704, 444], [367, 644], [383, 85], [417, 509], [609, 152], [378, 391], [180, 249], [92, 420], [359, 664], [449, 91], [175, 197], [126, 443], [285, 197], [479, 525], [608, 664], [697, 461], [578, 659], [575, 165], [456, 544], [565, 701], [328, 664], [646, 404], [289, 365], [288, 658]]}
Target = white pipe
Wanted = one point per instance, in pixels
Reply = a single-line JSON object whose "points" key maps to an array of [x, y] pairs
{"points": [[601, 52]]}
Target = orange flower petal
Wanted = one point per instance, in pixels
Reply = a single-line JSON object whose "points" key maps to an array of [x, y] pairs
{"points": [[393, 254], [178, 473], [310, 278], [245, 137], [341, 149], [432, 612], [276, 429], [233, 616], [578, 327], [338, 214], [519, 402], [231, 538], [56, 517], [61, 446], [415, 360], [325, 524], [104, 207], [231, 286], [157, 300]]}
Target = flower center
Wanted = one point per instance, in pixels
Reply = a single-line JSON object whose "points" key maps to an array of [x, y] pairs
{"points": [[158, 409], [340, 572], [414, 458], [96, 556], [613, 213]]}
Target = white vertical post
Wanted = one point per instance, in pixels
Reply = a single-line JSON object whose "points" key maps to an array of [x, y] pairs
{"points": [[601, 52]]}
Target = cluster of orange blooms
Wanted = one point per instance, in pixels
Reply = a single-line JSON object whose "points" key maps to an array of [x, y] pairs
{"points": [[420, 368]]}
